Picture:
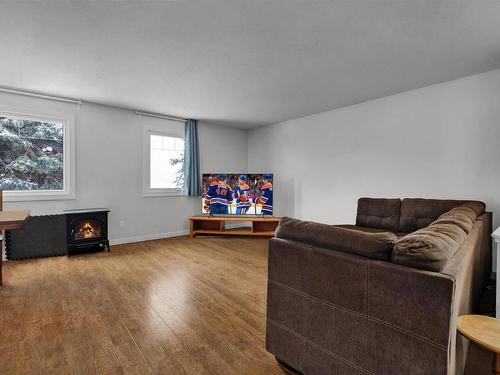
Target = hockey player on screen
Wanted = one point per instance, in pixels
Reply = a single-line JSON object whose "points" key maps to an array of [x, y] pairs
{"points": [[219, 196], [242, 195], [266, 197]]}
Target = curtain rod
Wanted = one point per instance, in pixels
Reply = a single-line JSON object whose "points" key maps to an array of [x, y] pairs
{"points": [[39, 95], [160, 116], [78, 101]]}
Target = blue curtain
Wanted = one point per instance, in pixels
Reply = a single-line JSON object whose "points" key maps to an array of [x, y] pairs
{"points": [[192, 184]]}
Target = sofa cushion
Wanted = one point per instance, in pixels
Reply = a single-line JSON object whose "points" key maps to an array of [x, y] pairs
{"points": [[379, 213], [418, 213], [371, 245], [368, 229], [463, 216], [429, 248], [478, 207]]}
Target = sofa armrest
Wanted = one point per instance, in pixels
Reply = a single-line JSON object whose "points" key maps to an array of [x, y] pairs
{"points": [[325, 305]]}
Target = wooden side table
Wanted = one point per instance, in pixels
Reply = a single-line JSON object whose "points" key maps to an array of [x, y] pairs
{"points": [[483, 331], [9, 220]]}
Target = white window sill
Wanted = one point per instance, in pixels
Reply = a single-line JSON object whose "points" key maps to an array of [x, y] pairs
{"points": [[163, 193], [25, 196]]}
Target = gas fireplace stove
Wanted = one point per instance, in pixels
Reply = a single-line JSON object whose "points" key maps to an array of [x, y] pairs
{"points": [[86, 230]]}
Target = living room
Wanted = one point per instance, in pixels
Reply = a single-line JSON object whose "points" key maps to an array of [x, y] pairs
{"points": [[341, 134]]}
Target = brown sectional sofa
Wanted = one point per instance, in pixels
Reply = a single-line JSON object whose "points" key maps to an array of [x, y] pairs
{"points": [[343, 300]]}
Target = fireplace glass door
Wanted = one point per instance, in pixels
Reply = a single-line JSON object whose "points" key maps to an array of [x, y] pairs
{"points": [[86, 230]]}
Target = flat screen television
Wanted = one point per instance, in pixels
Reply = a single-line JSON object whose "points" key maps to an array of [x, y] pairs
{"points": [[237, 194]]}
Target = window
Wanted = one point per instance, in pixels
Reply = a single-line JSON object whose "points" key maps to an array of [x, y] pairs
{"points": [[166, 162], [163, 157], [34, 157]]}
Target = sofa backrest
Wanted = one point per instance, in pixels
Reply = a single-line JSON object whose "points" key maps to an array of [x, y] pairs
{"points": [[381, 213], [418, 213], [371, 245]]}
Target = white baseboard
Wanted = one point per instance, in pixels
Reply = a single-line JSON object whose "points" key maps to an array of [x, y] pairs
{"points": [[148, 237], [119, 241]]}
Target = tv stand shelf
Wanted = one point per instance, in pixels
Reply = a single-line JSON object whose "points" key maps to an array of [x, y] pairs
{"points": [[261, 226]]}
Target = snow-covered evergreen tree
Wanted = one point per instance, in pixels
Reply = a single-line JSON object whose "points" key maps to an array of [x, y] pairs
{"points": [[179, 178], [31, 155]]}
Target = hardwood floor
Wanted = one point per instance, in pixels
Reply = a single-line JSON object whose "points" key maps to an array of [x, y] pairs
{"points": [[174, 306]]}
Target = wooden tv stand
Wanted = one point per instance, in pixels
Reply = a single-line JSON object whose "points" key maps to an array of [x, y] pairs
{"points": [[261, 226]]}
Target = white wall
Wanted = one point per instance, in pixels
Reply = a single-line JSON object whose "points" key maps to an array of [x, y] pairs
{"points": [[109, 169], [441, 141]]}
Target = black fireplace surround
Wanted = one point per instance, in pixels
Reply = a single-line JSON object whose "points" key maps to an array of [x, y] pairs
{"points": [[86, 230]]}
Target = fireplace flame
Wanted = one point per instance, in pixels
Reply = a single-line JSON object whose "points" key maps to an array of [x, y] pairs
{"points": [[87, 230]]}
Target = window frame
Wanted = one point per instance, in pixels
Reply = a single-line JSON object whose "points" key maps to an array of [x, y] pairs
{"points": [[69, 171], [147, 191]]}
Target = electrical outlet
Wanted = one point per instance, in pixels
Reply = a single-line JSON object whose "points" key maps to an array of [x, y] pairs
{"points": [[122, 224]]}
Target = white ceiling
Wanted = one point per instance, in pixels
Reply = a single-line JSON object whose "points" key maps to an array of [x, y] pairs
{"points": [[243, 63]]}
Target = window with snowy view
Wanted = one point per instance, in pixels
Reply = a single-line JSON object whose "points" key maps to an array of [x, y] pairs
{"points": [[31, 154]]}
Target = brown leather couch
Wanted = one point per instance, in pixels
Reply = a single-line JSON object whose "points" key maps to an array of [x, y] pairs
{"points": [[381, 296]]}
